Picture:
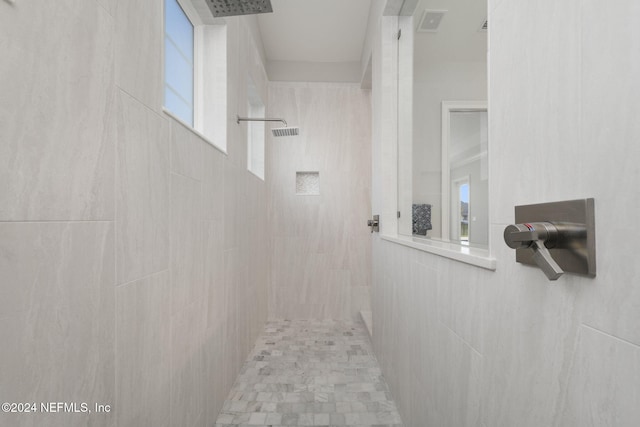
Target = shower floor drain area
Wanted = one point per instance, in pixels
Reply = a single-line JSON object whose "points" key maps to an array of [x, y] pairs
{"points": [[311, 373]]}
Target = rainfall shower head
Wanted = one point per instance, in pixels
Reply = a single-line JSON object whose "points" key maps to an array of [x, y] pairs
{"points": [[286, 131], [277, 132], [221, 8]]}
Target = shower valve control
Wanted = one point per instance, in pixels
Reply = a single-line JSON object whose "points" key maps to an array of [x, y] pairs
{"points": [[559, 237], [539, 237], [374, 223]]}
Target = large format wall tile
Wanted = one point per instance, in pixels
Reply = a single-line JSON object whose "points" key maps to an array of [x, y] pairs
{"points": [[510, 345], [530, 331], [460, 300], [533, 326], [213, 183], [80, 112], [458, 382], [534, 105], [186, 151], [139, 41], [56, 111], [612, 161], [320, 247], [257, 252], [217, 384], [143, 358], [213, 272], [142, 189], [425, 353], [187, 262], [603, 387], [189, 365], [108, 5], [57, 315], [231, 204]]}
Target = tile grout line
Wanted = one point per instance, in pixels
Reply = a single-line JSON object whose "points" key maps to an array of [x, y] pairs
{"points": [[611, 336]]}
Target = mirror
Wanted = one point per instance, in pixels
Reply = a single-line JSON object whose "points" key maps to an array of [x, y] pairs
{"points": [[465, 174], [442, 121]]}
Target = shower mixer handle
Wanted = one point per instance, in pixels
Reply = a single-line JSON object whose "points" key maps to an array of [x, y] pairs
{"points": [[522, 235], [539, 237]]}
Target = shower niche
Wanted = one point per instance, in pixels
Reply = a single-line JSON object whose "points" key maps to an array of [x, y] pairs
{"points": [[308, 183]]}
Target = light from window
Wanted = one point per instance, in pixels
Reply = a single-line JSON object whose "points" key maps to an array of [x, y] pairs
{"points": [[178, 62], [464, 211]]}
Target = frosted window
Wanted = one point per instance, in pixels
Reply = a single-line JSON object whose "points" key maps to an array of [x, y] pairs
{"points": [[178, 62], [308, 183]]}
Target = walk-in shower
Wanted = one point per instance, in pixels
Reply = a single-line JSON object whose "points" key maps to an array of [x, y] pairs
{"points": [[277, 132]]}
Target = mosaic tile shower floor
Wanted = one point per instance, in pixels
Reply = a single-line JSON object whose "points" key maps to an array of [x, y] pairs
{"points": [[310, 373]]}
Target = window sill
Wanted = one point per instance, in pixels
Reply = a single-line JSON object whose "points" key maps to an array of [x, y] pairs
{"points": [[474, 256], [256, 175], [192, 130]]}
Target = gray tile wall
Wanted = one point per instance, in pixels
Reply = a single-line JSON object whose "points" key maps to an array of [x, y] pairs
{"points": [[320, 245], [462, 346], [132, 253]]}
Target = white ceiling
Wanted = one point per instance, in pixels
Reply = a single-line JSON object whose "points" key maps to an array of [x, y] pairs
{"points": [[328, 31], [323, 40], [458, 38]]}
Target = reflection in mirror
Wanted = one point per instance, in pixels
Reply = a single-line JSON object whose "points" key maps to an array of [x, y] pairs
{"points": [[442, 121], [465, 210]]}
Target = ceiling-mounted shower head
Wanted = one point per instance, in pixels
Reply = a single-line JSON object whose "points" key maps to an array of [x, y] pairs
{"points": [[221, 8]]}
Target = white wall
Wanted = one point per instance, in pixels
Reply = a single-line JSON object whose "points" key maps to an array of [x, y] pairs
{"points": [[464, 346], [320, 246], [132, 253], [300, 71]]}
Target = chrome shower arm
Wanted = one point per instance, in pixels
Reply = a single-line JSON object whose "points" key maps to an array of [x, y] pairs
{"points": [[249, 119]]}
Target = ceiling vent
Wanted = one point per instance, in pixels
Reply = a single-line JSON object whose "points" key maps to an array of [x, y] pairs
{"points": [[430, 21], [484, 26]]}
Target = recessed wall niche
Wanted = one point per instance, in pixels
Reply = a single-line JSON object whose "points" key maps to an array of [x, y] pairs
{"points": [[308, 183]]}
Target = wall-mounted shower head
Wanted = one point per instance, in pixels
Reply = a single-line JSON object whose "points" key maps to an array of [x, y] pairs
{"points": [[221, 8], [286, 131], [277, 132]]}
